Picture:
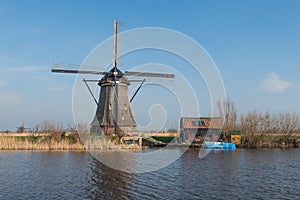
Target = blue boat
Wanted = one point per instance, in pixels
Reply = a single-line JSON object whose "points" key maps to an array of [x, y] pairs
{"points": [[219, 146]]}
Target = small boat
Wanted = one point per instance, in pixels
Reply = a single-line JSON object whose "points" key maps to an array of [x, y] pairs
{"points": [[219, 145]]}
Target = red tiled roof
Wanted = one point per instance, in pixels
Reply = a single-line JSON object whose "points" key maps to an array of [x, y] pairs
{"points": [[208, 122]]}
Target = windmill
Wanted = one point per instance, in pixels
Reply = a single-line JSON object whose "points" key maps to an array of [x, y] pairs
{"points": [[114, 115]]}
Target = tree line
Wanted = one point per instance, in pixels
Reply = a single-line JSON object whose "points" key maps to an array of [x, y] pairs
{"points": [[260, 128]]}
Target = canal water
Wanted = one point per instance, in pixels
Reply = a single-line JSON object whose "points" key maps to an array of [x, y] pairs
{"points": [[241, 174]]}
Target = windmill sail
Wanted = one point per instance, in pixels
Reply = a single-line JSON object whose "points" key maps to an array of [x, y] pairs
{"points": [[114, 115], [147, 74], [74, 69]]}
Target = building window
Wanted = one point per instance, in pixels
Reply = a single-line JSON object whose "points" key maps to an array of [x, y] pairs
{"points": [[198, 123]]}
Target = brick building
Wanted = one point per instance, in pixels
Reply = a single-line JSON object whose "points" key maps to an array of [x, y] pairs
{"points": [[200, 127]]}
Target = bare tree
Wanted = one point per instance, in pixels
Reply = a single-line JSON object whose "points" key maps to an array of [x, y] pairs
{"points": [[51, 127], [252, 128], [228, 114], [72, 128], [288, 124], [267, 127], [82, 128], [36, 128]]}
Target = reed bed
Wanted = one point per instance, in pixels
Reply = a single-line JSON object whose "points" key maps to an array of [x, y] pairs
{"points": [[38, 143], [55, 142]]}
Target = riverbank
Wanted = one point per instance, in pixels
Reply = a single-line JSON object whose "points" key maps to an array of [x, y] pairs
{"points": [[39, 142], [60, 142], [72, 142]]}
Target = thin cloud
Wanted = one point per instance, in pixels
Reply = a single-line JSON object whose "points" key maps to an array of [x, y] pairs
{"points": [[273, 83]]}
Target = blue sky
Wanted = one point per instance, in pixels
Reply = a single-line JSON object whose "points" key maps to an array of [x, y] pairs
{"points": [[255, 45]]}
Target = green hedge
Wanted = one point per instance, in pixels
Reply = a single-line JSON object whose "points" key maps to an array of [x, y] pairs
{"points": [[28, 138], [165, 139]]}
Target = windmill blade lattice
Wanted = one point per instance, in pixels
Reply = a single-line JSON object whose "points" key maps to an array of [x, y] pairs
{"points": [[148, 74]]}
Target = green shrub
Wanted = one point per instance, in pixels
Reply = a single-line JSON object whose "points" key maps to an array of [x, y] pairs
{"points": [[33, 139], [20, 138], [72, 139], [112, 138], [164, 139]]}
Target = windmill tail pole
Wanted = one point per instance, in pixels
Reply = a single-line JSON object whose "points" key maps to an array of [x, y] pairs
{"points": [[137, 91], [115, 44], [90, 91]]}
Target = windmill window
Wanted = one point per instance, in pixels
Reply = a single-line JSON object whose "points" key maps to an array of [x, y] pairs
{"points": [[109, 106], [125, 107]]}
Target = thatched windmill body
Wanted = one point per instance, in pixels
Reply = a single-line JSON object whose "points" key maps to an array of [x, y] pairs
{"points": [[114, 115]]}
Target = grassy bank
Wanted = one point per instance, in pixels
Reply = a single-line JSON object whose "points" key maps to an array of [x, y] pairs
{"points": [[55, 142], [70, 142]]}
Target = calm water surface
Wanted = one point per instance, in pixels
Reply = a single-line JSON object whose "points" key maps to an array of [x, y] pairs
{"points": [[242, 174]]}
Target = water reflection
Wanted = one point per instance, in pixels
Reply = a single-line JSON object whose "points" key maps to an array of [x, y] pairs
{"points": [[244, 174], [107, 182], [138, 161]]}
